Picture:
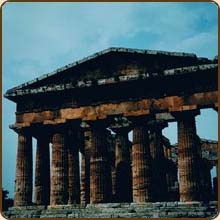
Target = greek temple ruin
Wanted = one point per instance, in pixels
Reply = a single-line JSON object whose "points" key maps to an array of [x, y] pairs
{"points": [[83, 113]]}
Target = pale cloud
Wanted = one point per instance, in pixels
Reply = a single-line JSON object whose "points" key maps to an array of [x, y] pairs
{"points": [[49, 35], [203, 44]]}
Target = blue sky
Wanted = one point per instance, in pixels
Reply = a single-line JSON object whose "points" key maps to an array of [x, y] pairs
{"points": [[40, 37]]}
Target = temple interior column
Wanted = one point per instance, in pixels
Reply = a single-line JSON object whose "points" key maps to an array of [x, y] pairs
{"points": [[82, 179], [42, 172], [73, 170], [113, 181], [141, 164], [85, 167], [188, 157], [59, 170], [205, 180], [215, 188], [24, 173], [159, 163], [99, 170], [123, 181]]}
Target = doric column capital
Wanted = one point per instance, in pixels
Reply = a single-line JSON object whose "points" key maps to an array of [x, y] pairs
{"points": [[21, 130], [120, 125], [141, 120], [121, 130], [98, 124], [185, 114], [155, 125]]}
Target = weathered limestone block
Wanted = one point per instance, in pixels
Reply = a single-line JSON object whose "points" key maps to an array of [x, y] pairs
{"points": [[100, 176], [123, 181], [59, 170], [129, 108], [188, 157], [109, 210], [42, 172], [73, 172], [23, 181], [141, 165], [159, 164]]}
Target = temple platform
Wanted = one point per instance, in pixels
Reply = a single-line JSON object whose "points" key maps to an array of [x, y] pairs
{"points": [[118, 210]]}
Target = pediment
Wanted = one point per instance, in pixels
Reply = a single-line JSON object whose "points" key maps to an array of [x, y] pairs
{"points": [[107, 64]]}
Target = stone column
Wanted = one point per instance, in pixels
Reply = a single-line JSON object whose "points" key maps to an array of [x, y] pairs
{"points": [[59, 170], [99, 175], [73, 170], [113, 174], [205, 179], [85, 167], [215, 188], [123, 181], [159, 163], [82, 180], [171, 176], [188, 156], [24, 173], [42, 172], [169, 154], [141, 164]]}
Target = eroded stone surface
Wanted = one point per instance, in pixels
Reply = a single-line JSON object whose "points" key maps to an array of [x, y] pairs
{"points": [[100, 175], [188, 157], [116, 210], [73, 171], [42, 172], [123, 173], [59, 170], [23, 179], [141, 165]]}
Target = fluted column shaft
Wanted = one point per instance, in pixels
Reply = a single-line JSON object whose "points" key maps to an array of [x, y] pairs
{"points": [[159, 188], [73, 172], [24, 173], [113, 175], [123, 179], [42, 172], [205, 180], [82, 180], [59, 170], [85, 168], [99, 175], [188, 157], [141, 165], [156, 145]]}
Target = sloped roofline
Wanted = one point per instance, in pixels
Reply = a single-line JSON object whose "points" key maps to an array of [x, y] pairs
{"points": [[100, 53]]}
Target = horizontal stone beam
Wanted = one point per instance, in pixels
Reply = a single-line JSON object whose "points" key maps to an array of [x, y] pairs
{"points": [[129, 108]]}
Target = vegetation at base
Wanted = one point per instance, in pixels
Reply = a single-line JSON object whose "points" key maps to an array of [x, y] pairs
{"points": [[6, 202]]}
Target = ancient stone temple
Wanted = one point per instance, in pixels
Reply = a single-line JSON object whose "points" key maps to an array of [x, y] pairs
{"points": [[87, 108]]}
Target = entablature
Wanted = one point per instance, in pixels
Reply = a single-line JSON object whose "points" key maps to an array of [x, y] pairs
{"points": [[127, 109]]}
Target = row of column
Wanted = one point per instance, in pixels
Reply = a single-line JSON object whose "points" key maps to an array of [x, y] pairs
{"points": [[139, 178]]}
